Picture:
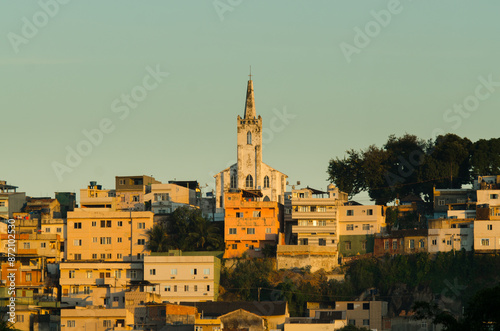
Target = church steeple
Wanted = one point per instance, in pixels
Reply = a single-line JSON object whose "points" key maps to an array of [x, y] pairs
{"points": [[250, 102]]}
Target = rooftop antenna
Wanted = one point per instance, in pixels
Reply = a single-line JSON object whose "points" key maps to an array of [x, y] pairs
{"points": [[250, 73]]}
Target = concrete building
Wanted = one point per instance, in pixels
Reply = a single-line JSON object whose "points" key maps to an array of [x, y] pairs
{"points": [[443, 198], [357, 226], [447, 235], [95, 197], [96, 319], [486, 236], [11, 201], [107, 235], [166, 198], [250, 224], [98, 283], [249, 172], [190, 276], [130, 191], [401, 242]]}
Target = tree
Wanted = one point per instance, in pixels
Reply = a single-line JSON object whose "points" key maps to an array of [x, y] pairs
{"points": [[157, 239], [485, 157], [7, 326], [351, 327], [347, 173]]}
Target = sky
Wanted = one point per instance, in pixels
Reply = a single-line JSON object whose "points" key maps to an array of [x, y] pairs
{"points": [[91, 90]]}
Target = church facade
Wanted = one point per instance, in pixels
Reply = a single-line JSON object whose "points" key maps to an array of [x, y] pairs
{"points": [[249, 172]]}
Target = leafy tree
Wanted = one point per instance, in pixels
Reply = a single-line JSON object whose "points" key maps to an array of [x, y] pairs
{"points": [[347, 173], [7, 326], [485, 157], [157, 239], [353, 328]]}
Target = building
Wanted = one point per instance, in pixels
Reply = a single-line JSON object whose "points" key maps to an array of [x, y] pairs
{"points": [[249, 172], [250, 224], [166, 198], [447, 235], [188, 276], [96, 319], [98, 283], [367, 314], [94, 196], [357, 226], [107, 235], [322, 321], [443, 198], [401, 242], [11, 201], [130, 191]]}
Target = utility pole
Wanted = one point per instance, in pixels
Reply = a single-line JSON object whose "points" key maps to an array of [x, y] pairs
{"points": [[259, 294]]}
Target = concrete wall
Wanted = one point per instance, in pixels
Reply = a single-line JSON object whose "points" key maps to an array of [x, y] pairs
{"points": [[302, 256]]}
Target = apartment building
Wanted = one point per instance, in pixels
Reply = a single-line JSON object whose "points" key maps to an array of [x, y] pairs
{"points": [[107, 235], [94, 196], [130, 191], [166, 198], [96, 319], [11, 201], [250, 224], [447, 235], [98, 283], [189, 276], [357, 225]]}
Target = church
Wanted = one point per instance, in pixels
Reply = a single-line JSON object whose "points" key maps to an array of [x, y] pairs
{"points": [[249, 173]]}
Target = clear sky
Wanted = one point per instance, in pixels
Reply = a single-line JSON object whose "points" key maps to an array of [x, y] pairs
{"points": [[350, 73]]}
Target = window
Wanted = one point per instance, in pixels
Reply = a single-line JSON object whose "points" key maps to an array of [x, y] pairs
{"points": [[421, 243], [116, 299], [47, 230], [173, 271], [141, 225], [232, 230], [86, 290], [256, 214], [94, 256], [106, 323], [208, 288], [394, 244], [78, 256], [350, 306], [366, 306], [94, 223], [72, 274], [303, 223], [386, 244], [441, 202], [233, 181], [59, 230], [175, 288], [194, 271], [103, 224], [71, 324], [349, 227], [250, 230], [108, 224], [119, 239], [103, 256], [369, 212], [234, 246], [321, 223], [347, 245], [239, 215], [186, 288], [363, 245], [434, 242], [119, 256], [411, 243], [118, 274], [266, 182], [366, 322], [119, 223], [20, 318], [105, 240], [75, 289], [249, 138], [322, 242], [28, 276], [485, 242], [89, 273], [448, 242], [196, 288], [350, 212], [77, 242], [43, 245], [206, 271], [493, 196], [136, 198], [78, 225], [133, 273], [490, 226], [249, 181], [167, 288], [352, 322], [304, 241], [268, 230], [366, 226], [94, 239], [141, 241]]}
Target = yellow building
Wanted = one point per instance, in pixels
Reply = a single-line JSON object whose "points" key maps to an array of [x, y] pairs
{"points": [[94, 196], [107, 235], [130, 191], [97, 283], [96, 319]]}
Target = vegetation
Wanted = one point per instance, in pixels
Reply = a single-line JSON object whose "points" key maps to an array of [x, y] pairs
{"points": [[446, 275], [187, 230], [7, 326], [411, 165]]}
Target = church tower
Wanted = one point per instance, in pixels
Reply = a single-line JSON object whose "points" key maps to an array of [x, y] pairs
{"points": [[249, 150]]}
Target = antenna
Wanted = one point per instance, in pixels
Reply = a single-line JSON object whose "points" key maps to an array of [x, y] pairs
{"points": [[250, 73]]}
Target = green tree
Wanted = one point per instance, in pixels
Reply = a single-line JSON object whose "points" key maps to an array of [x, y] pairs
{"points": [[353, 328], [485, 157], [157, 239], [7, 326], [347, 173]]}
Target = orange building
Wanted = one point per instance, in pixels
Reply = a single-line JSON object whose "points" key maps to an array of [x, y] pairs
{"points": [[250, 224]]}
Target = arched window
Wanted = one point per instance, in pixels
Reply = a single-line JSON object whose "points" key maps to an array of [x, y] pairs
{"points": [[249, 181], [233, 181], [249, 138], [266, 182], [266, 198]]}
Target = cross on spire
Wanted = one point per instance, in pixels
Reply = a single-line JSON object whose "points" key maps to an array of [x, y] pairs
{"points": [[250, 73]]}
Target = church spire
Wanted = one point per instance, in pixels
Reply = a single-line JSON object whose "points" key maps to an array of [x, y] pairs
{"points": [[250, 102]]}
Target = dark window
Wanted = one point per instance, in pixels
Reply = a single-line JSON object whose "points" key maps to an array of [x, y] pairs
{"points": [[366, 306], [350, 306]]}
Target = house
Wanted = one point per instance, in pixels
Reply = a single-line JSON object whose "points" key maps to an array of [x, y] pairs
{"points": [[250, 224], [401, 242], [130, 191], [11, 201], [450, 235], [96, 318]]}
